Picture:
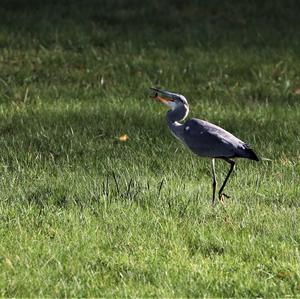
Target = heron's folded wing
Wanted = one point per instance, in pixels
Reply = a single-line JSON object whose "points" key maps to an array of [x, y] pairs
{"points": [[209, 140]]}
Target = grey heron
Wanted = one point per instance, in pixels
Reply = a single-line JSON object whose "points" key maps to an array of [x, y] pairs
{"points": [[203, 138]]}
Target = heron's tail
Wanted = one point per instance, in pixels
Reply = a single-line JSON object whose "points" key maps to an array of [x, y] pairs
{"points": [[250, 154]]}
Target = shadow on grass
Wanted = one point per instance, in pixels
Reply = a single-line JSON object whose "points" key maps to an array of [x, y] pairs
{"points": [[87, 135], [163, 24]]}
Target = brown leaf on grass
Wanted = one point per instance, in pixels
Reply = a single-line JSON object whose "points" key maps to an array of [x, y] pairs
{"points": [[124, 138], [283, 274], [297, 91]]}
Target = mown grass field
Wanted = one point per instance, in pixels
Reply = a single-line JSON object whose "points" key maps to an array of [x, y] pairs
{"points": [[84, 214]]}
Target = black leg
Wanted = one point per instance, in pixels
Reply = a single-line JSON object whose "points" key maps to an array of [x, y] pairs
{"points": [[214, 182], [221, 194]]}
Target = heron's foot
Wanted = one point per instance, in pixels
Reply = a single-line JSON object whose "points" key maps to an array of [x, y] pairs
{"points": [[222, 196]]}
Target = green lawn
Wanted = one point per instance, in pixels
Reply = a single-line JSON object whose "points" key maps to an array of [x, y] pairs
{"points": [[84, 214]]}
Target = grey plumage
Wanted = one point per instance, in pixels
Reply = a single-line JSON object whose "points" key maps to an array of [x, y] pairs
{"points": [[208, 140], [203, 138]]}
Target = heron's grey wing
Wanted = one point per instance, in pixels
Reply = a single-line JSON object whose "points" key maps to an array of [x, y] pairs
{"points": [[208, 140]]}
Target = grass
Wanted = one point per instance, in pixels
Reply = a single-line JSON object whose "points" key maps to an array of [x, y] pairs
{"points": [[85, 215]]}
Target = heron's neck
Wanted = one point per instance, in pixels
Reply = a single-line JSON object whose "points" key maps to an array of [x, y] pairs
{"points": [[174, 117]]}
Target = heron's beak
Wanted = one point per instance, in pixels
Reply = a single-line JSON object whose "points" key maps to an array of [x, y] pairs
{"points": [[163, 96]]}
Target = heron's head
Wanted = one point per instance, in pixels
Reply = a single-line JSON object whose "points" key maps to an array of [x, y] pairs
{"points": [[170, 99]]}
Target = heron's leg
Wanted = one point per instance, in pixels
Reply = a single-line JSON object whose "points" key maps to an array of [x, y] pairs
{"points": [[221, 194], [214, 182]]}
